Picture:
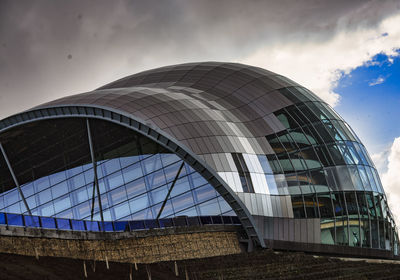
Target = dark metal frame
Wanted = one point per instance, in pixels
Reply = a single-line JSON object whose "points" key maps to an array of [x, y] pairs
{"points": [[160, 137]]}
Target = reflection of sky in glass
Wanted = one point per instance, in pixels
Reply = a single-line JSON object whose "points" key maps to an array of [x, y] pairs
{"points": [[131, 188]]}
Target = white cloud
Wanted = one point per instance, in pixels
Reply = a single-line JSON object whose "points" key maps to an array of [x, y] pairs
{"points": [[391, 180], [377, 81], [319, 65]]}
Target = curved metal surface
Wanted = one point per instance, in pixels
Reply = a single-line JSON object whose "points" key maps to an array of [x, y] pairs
{"points": [[132, 122]]}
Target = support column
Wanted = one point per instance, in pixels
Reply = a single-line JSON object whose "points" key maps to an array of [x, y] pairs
{"points": [[170, 189], [96, 181], [15, 179]]}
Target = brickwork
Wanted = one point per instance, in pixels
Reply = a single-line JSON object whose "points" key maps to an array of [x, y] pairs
{"points": [[145, 249]]}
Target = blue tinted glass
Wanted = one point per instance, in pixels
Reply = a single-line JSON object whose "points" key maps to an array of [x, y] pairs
{"points": [[132, 172], [59, 189], [181, 185], [183, 201], [135, 225], [28, 189], [126, 161], [364, 178], [31, 202], [166, 222], [377, 180], [62, 203], [168, 159], [11, 197], [121, 210], [360, 153], [355, 177], [198, 180], [32, 221], [136, 187], [204, 193], [264, 164], [92, 225], [224, 206], [47, 209], [143, 215], [81, 194], [167, 210], [63, 224], [74, 171], [115, 180], [45, 196], [121, 226], [48, 222], [15, 220], [110, 166], [42, 183], [106, 226], [139, 203], [155, 179], [152, 164], [171, 171], [273, 189], [371, 179], [210, 208], [57, 177], [77, 181], [159, 194], [151, 224], [118, 195], [77, 225], [2, 218]]}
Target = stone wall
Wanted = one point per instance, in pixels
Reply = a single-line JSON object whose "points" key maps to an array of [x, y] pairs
{"points": [[146, 247]]}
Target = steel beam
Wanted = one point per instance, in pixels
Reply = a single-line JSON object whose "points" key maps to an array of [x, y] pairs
{"points": [[96, 180], [170, 189]]}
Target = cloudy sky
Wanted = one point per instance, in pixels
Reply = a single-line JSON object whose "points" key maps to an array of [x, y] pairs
{"points": [[345, 51]]}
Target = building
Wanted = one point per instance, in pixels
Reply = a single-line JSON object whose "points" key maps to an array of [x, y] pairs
{"points": [[197, 144]]}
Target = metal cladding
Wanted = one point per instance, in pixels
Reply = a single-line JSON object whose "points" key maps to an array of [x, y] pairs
{"points": [[278, 148]]}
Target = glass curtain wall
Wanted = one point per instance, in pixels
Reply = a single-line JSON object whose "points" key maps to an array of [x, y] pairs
{"points": [[52, 163], [329, 174]]}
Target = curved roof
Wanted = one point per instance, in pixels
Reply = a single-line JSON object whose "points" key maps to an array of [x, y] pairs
{"points": [[209, 112], [209, 107]]}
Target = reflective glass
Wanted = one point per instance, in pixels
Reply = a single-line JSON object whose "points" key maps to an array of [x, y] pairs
{"points": [[134, 176]]}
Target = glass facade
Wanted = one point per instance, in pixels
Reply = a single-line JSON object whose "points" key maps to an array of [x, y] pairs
{"points": [[285, 153], [134, 175], [329, 174]]}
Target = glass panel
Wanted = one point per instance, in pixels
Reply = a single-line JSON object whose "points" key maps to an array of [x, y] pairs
{"points": [[48, 222], [32, 221], [15, 220], [298, 207], [328, 231], [63, 224], [77, 225], [311, 205], [325, 205]]}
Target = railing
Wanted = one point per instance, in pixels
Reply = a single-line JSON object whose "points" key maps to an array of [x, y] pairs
{"points": [[19, 220]]}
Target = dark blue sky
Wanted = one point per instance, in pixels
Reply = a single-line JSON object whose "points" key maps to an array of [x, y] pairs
{"points": [[370, 101]]}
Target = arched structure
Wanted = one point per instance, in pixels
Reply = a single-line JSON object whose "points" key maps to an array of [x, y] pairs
{"points": [[280, 158]]}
